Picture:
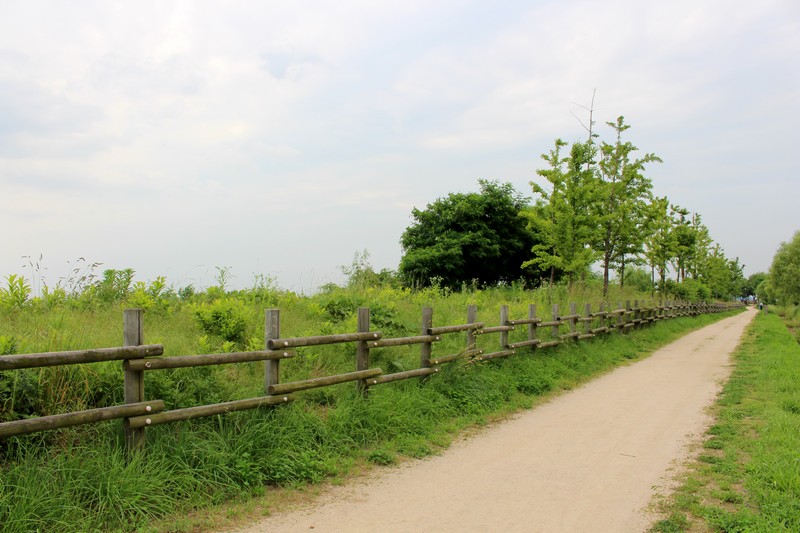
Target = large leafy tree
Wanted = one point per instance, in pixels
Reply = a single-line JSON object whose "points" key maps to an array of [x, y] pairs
{"points": [[784, 274], [625, 198], [468, 237], [561, 216]]}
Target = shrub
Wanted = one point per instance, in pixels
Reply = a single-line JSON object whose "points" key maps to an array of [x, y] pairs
{"points": [[226, 318]]}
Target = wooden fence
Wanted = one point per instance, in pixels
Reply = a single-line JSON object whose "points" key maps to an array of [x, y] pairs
{"points": [[139, 358]]}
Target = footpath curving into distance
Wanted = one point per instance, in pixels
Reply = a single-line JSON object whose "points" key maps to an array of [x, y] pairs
{"points": [[586, 461]]}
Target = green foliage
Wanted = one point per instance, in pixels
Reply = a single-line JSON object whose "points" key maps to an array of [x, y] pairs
{"points": [[8, 345], [226, 318], [16, 293], [689, 290], [625, 193], [360, 274], [658, 241], [465, 237], [114, 286], [638, 279], [750, 285], [784, 273], [561, 218], [723, 276]]}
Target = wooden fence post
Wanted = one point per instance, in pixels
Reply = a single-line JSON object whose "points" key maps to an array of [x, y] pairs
{"points": [[587, 313], [472, 317], [362, 349], [573, 322], [555, 329], [132, 333], [532, 327], [426, 348], [504, 322], [627, 315], [272, 330]]}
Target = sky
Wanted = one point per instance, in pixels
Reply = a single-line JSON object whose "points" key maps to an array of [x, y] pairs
{"points": [[279, 139]]}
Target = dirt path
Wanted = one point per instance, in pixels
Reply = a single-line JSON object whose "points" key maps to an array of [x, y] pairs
{"points": [[586, 461]]}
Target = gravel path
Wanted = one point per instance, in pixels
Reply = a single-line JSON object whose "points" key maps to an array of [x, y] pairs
{"points": [[589, 460]]}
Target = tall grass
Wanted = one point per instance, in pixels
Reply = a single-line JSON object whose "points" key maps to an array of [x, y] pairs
{"points": [[78, 480], [747, 478]]}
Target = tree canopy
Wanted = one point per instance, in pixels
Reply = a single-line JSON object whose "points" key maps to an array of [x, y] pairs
{"points": [[468, 238]]}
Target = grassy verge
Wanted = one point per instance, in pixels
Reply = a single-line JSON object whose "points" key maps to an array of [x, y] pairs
{"points": [[747, 477], [84, 484]]}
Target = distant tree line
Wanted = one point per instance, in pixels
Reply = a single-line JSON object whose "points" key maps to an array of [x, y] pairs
{"points": [[593, 207]]}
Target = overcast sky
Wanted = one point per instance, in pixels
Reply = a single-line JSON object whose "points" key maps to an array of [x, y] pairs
{"points": [[280, 138]]}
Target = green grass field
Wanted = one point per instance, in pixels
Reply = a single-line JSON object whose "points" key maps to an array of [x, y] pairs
{"points": [[747, 476]]}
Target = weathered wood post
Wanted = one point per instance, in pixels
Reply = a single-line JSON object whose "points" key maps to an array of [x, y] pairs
{"points": [[532, 326], [426, 348], [555, 329], [627, 315], [133, 335], [573, 321], [272, 330], [472, 317], [362, 349], [636, 315], [604, 323], [504, 322], [620, 318], [587, 312]]}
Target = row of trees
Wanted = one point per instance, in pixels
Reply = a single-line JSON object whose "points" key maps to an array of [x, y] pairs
{"points": [[593, 205]]}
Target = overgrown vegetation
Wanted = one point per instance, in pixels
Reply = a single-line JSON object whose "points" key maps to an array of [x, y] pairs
{"points": [[77, 479], [747, 477]]}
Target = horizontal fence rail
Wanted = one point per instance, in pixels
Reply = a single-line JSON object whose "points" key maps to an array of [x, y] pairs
{"points": [[139, 358], [76, 357]]}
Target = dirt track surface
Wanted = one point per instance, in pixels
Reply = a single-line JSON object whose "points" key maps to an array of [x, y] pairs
{"points": [[589, 460]]}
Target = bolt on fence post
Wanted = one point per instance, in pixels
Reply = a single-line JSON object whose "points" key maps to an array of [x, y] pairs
{"points": [[362, 349], [132, 333], [426, 348], [272, 330]]}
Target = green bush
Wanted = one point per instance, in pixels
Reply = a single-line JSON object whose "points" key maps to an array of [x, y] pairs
{"points": [[226, 318]]}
